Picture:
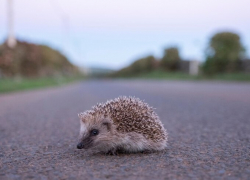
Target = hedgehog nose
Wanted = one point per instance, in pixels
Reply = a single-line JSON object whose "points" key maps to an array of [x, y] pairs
{"points": [[80, 145]]}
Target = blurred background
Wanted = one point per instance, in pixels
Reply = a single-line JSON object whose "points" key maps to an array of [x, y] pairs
{"points": [[61, 41]]}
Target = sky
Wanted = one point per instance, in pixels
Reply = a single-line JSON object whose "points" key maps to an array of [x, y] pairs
{"points": [[112, 33]]}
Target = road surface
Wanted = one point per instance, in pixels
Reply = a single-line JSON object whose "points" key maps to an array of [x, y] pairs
{"points": [[208, 125]]}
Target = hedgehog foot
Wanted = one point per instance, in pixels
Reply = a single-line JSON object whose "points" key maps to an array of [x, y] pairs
{"points": [[146, 152], [112, 152]]}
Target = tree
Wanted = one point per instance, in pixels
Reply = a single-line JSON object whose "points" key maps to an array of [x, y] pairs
{"points": [[171, 59], [142, 65], [223, 53]]}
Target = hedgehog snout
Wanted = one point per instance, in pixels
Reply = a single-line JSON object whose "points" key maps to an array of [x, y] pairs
{"points": [[80, 145]]}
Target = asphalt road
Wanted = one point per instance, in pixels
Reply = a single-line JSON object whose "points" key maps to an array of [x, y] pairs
{"points": [[208, 125]]}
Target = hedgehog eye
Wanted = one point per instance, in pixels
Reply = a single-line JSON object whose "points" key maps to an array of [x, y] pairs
{"points": [[94, 132]]}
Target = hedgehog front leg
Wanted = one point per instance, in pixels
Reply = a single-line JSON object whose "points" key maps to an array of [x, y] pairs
{"points": [[112, 152]]}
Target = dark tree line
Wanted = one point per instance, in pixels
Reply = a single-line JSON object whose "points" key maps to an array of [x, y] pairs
{"points": [[225, 53]]}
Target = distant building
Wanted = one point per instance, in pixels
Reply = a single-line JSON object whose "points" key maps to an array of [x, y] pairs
{"points": [[190, 67], [245, 65], [194, 67]]}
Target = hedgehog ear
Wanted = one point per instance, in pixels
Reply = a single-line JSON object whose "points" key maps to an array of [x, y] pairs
{"points": [[107, 122], [80, 115]]}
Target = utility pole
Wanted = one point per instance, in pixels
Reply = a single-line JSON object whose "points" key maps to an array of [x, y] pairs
{"points": [[66, 30], [11, 41]]}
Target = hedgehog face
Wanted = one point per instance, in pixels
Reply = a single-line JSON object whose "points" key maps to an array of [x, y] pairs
{"points": [[93, 132]]}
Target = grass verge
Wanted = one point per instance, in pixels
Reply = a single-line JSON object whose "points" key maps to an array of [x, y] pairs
{"points": [[166, 75], [183, 76], [16, 84]]}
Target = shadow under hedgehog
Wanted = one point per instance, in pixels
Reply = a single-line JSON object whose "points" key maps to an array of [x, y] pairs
{"points": [[124, 124]]}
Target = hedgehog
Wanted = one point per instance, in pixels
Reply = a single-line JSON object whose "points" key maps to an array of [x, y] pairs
{"points": [[124, 124]]}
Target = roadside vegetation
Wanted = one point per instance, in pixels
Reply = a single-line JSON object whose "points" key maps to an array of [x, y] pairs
{"points": [[29, 60], [225, 60], [30, 66], [159, 74], [17, 84]]}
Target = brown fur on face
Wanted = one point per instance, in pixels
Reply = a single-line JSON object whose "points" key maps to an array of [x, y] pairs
{"points": [[88, 125]]}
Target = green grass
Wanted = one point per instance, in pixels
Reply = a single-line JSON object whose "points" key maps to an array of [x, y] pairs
{"points": [[16, 84], [232, 77], [158, 74], [166, 75]]}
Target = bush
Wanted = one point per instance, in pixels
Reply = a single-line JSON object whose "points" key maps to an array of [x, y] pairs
{"points": [[224, 53], [146, 64], [171, 59], [31, 60]]}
